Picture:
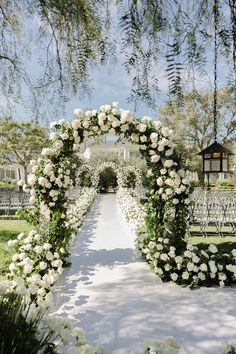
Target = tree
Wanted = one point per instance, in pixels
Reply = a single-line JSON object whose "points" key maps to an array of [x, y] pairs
{"points": [[71, 36], [20, 142], [193, 123]]}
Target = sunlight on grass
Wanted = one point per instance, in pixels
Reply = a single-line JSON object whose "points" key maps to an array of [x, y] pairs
{"points": [[9, 229], [224, 244]]}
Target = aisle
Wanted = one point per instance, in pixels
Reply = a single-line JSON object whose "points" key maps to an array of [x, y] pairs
{"points": [[113, 295]]}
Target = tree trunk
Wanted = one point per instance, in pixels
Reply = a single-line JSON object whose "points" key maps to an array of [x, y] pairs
{"points": [[25, 174]]}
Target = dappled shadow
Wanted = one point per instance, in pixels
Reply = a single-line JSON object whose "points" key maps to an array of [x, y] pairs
{"points": [[85, 260], [119, 302]]}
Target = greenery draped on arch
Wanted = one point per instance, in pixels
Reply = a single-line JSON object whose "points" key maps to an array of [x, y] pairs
{"points": [[166, 202]]}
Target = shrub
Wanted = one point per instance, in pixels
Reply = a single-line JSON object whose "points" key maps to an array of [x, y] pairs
{"points": [[86, 179], [225, 184], [19, 333]]}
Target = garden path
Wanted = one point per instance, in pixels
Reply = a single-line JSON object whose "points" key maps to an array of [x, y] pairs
{"points": [[112, 294]]}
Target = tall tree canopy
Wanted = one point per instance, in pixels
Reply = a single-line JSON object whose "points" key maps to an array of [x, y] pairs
{"points": [[193, 126], [68, 37], [21, 142]]}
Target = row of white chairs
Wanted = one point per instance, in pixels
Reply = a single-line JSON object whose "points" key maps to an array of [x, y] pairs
{"points": [[216, 209], [11, 200]]}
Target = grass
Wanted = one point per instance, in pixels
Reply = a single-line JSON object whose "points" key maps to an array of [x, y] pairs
{"points": [[9, 229], [224, 244]]}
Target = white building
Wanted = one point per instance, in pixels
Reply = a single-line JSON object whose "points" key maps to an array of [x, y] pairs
{"points": [[119, 150]]}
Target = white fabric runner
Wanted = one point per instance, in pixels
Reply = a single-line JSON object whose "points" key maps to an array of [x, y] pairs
{"points": [[112, 294]]}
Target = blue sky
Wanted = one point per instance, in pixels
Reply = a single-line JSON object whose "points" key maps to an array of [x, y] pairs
{"points": [[108, 85]]}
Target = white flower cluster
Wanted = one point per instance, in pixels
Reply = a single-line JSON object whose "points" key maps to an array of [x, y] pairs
{"points": [[36, 266], [99, 169], [166, 346], [191, 267], [124, 175], [48, 184], [77, 210], [132, 210]]}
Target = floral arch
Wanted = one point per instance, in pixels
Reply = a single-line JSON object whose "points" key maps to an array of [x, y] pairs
{"points": [[85, 167], [123, 176], [166, 204], [101, 168]]}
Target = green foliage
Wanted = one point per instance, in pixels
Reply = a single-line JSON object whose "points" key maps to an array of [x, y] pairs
{"points": [[86, 179], [225, 184], [193, 123], [18, 332], [75, 35], [7, 183], [9, 229], [20, 142], [107, 179]]}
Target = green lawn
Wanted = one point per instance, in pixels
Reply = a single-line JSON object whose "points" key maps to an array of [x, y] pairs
{"points": [[224, 244], [9, 229]]}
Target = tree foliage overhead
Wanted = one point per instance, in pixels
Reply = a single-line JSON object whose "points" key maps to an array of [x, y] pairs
{"points": [[20, 142], [193, 126], [69, 37]]}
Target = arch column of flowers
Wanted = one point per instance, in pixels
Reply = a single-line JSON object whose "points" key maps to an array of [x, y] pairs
{"points": [[166, 201]]}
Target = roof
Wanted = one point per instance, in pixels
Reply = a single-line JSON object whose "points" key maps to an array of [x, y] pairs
{"points": [[215, 147]]}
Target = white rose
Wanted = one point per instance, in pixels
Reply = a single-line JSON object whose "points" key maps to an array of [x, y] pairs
{"points": [[53, 193], [88, 114], [53, 136], [166, 131], [159, 181], [65, 136], [42, 181], [42, 265], [169, 152], [47, 169], [105, 128], [185, 275], [76, 124], [78, 112], [201, 276], [53, 124], [164, 257], [203, 267], [32, 179], [58, 144], [86, 124], [143, 138], [174, 276], [142, 128], [124, 128], [153, 137], [168, 163], [178, 259], [116, 123], [155, 158], [190, 266], [157, 124], [126, 116], [212, 248], [46, 152], [32, 200]]}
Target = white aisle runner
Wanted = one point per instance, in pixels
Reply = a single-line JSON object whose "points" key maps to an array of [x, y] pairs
{"points": [[112, 294]]}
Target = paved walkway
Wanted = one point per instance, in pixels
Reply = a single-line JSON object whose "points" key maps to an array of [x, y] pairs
{"points": [[113, 295]]}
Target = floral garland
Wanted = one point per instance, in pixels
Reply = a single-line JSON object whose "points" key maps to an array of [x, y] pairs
{"points": [[166, 202], [37, 264], [123, 177], [194, 265], [99, 169], [84, 168]]}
